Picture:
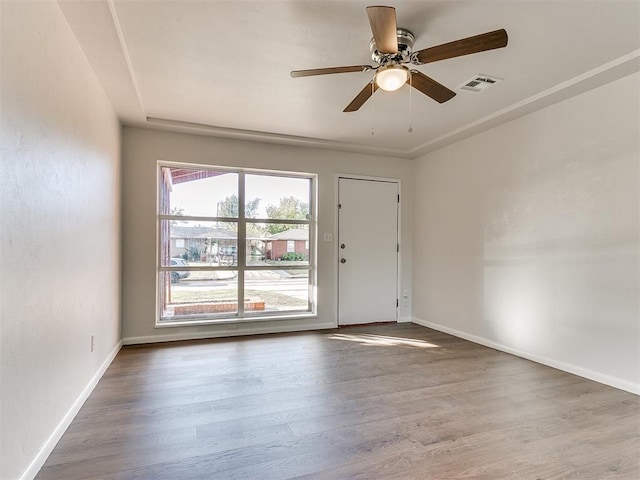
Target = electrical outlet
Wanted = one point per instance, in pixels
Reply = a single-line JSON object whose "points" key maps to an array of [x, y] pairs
{"points": [[93, 342]]}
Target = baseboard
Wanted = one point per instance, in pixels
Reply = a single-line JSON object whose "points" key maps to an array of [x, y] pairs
{"points": [[48, 446], [257, 330], [405, 320], [549, 362]]}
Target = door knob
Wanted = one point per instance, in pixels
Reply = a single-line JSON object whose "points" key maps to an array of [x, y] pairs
{"points": [[343, 246], [343, 260]]}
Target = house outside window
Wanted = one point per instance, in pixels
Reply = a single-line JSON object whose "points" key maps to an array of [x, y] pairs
{"points": [[234, 244]]}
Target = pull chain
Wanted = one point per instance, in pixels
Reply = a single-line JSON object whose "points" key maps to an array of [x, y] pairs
{"points": [[373, 108], [410, 109]]}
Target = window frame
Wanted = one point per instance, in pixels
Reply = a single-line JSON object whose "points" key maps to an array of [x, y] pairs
{"points": [[242, 265]]}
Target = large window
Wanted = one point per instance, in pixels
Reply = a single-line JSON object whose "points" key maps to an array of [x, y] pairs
{"points": [[234, 244]]}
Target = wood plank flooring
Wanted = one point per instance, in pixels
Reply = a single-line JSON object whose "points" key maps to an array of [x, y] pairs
{"points": [[371, 402]]}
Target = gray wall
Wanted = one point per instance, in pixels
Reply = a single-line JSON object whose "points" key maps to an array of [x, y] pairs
{"points": [[141, 151], [529, 236], [60, 216]]}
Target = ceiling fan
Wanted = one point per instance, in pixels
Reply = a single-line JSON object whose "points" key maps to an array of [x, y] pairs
{"points": [[391, 48]]}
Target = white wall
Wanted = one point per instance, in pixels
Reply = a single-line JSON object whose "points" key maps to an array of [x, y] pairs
{"points": [[141, 151], [60, 235], [527, 236]]}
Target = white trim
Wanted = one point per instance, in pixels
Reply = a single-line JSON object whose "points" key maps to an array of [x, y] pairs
{"points": [[177, 125], [48, 446], [125, 53], [196, 322], [256, 330], [405, 320], [353, 176], [241, 222], [549, 362]]}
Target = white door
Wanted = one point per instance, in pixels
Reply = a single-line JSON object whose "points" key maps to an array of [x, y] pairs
{"points": [[367, 251]]}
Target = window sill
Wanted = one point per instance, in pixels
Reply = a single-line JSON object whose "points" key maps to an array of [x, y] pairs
{"points": [[235, 321]]}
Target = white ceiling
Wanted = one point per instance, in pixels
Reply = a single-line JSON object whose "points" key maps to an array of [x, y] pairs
{"points": [[222, 67]]}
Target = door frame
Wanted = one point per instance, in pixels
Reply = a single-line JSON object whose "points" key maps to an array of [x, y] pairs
{"points": [[336, 249]]}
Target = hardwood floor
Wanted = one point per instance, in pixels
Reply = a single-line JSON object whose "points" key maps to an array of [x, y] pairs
{"points": [[372, 402]]}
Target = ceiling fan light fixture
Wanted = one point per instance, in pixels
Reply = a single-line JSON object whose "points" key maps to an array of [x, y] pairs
{"points": [[392, 77]]}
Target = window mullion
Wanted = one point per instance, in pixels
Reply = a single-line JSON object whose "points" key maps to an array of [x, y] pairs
{"points": [[188, 218], [242, 243], [278, 221]]}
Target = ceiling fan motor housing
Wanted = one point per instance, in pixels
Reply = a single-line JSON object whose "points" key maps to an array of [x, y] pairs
{"points": [[405, 46]]}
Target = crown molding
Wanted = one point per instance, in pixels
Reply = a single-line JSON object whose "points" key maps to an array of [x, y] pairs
{"points": [[157, 123]]}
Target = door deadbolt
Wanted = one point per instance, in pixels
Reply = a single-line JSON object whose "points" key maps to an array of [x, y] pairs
{"points": [[343, 260]]}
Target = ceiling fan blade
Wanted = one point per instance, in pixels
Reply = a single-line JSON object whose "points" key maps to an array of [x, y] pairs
{"points": [[430, 87], [327, 71], [362, 97], [384, 28], [464, 46]]}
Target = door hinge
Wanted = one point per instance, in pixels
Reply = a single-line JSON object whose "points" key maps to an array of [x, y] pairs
{"points": [[397, 303], [398, 247], [398, 198], [339, 206]]}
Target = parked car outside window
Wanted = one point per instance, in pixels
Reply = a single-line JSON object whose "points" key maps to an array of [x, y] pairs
{"points": [[178, 262]]}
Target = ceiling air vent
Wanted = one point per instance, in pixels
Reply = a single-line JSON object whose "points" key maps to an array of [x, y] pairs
{"points": [[479, 83]]}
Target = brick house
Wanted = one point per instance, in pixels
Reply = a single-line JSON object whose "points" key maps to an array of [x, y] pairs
{"points": [[295, 240]]}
